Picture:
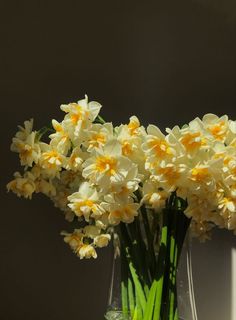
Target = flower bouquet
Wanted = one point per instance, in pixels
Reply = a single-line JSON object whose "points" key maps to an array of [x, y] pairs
{"points": [[137, 187]]}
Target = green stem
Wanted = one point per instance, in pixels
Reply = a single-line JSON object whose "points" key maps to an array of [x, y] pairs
{"points": [[124, 281], [124, 297], [161, 266], [173, 292], [173, 263], [138, 287], [100, 120], [176, 314], [150, 302], [132, 267], [149, 238], [131, 297]]}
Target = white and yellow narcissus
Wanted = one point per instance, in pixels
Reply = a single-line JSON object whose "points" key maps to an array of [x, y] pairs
{"points": [[25, 143], [75, 160], [60, 140], [76, 242], [120, 210], [23, 186], [153, 195], [97, 172], [85, 202], [51, 160], [79, 116], [97, 135], [107, 167]]}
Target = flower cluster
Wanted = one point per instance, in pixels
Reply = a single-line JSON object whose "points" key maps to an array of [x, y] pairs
{"points": [[199, 162], [101, 175]]}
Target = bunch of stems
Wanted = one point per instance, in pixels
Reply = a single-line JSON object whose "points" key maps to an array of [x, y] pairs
{"points": [[150, 251]]}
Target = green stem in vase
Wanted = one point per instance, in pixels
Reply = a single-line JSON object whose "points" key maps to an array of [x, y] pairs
{"points": [[150, 302], [131, 297], [124, 286], [176, 314], [172, 295], [149, 237], [139, 292], [161, 266], [138, 287], [173, 292]]}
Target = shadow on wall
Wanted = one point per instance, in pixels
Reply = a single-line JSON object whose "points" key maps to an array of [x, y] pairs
{"points": [[212, 275]]}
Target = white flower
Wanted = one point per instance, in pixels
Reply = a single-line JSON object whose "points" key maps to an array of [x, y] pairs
{"points": [[134, 127], [131, 137], [75, 241], [217, 127], [25, 131], [156, 144], [22, 185], [60, 140], [107, 167], [154, 196], [85, 202], [51, 160], [45, 187], [28, 149], [91, 231], [97, 135], [102, 240], [75, 160], [80, 115], [87, 251], [123, 211], [102, 221]]}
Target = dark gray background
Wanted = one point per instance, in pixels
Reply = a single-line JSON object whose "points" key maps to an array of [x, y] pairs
{"points": [[165, 61]]}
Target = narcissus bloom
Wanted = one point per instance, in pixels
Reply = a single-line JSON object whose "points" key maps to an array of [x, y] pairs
{"points": [[99, 175]]}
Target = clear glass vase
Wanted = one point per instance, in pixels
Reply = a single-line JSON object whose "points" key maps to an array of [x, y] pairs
{"points": [[185, 288], [185, 285]]}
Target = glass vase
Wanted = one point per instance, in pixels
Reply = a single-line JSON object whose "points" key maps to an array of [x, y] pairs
{"points": [[185, 288]]}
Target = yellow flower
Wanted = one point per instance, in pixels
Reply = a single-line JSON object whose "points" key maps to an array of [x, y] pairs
{"points": [[124, 211], [86, 251], [217, 127], [75, 160], [107, 167], [51, 160], [60, 140], [22, 186], [154, 196], [85, 202], [97, 135], [80, 115], [102, 240], [28, 149]]}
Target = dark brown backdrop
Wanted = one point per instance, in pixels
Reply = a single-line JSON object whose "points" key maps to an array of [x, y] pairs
{"points": [[165, 61]]}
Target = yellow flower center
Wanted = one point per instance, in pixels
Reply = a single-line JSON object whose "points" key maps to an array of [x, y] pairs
{"points": [[160, 147], [78, 113], [58, 127], [97, 139], [199, 174], [85, 203], [106, 164], [26, 153], [218, 130], [47, 159], [133, 126], [170, 173], [190, 142], [126, 148], [75, 117]]}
